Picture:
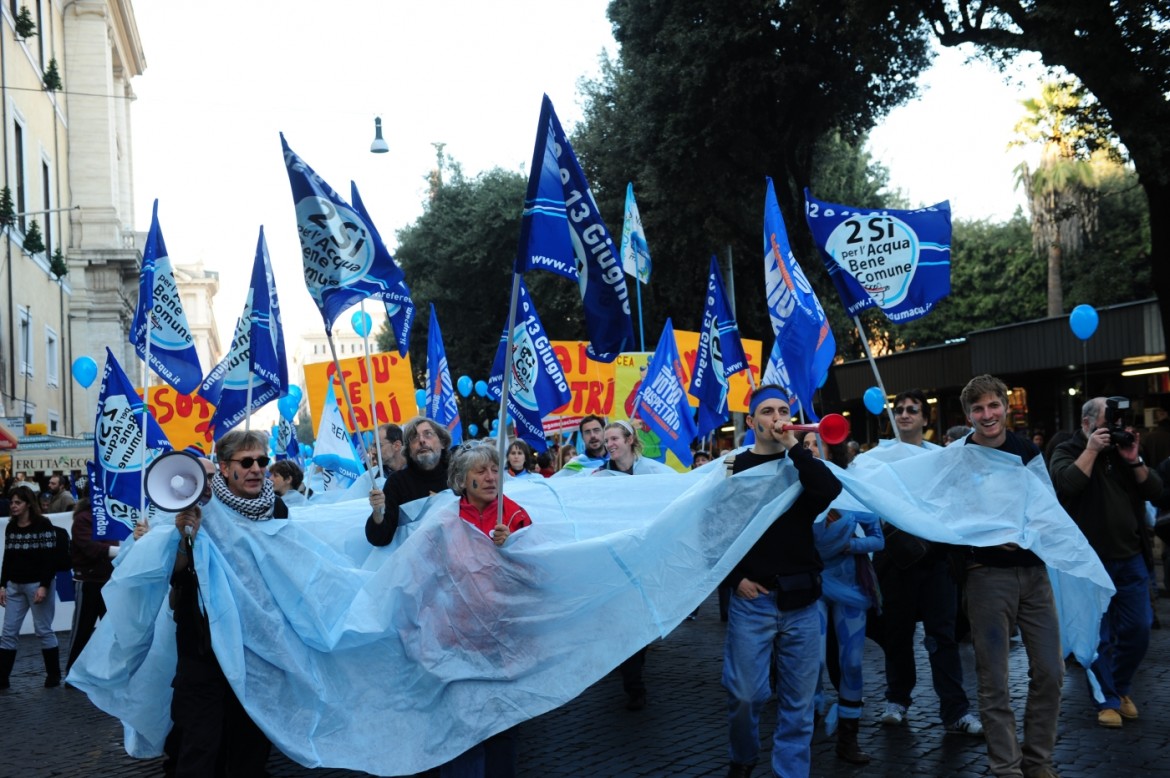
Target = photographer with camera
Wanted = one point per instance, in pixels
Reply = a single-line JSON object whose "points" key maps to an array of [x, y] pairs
{"points": [[1103, 483]]}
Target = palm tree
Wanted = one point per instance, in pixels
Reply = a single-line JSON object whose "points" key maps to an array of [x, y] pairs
{"points": [[1062, 192]]}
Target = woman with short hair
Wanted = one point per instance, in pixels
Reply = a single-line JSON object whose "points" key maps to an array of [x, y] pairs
{"points": [[474, 476]]}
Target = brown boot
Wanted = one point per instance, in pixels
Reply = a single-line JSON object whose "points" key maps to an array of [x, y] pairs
{"points": [[847, 742]]}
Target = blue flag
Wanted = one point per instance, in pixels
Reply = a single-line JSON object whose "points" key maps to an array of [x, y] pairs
{"points": [[662, 404], [804, 341], [286, 445], [257, 350], [719, 357], [635, 251], [399, 305], [441, 404], [172, 349], [538, 385], [899, 261], [116, 470], [341, 260], [561, 230]]}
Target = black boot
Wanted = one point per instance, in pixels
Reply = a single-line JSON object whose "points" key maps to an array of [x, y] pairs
{"points": [[52, 667], [737, 770], [847, 742], [7, 659]]}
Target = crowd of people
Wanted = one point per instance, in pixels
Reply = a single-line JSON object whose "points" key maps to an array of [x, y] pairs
{"points": [[799, 605]]}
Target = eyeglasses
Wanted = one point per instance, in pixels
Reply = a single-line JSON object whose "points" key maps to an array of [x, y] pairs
{"points": [[247, 462], [909, 410]]}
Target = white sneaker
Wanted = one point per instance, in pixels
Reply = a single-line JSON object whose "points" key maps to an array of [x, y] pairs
{"points": [[894, 714], [967, 724]]}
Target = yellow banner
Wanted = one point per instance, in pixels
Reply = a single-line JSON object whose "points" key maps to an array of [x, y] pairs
{"points": [[595, 387], [185, 418], [393, 389]]}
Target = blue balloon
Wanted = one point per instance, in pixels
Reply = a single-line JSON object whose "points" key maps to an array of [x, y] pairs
{"points": [[464, 385], [295, 391], [481, 388], [420, 398], [287, 406], [361, 322], [84, 371], [875, 401], [473, 429], [495, 424], [1083, 321]]}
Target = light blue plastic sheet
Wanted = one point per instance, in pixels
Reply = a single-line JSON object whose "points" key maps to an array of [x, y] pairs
{"points": [[393, 660]]}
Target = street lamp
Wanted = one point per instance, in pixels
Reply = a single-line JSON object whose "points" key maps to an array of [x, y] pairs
{"points": [[379, 146]]}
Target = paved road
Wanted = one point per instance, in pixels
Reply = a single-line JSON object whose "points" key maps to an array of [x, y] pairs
{"points": [[57, 732]]}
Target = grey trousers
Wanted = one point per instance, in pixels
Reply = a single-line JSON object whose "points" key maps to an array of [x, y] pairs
{"points": [[997, 599], [20, 602]]}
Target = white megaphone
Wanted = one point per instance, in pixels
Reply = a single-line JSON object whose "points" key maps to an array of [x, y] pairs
{"points": [[175, 481]]}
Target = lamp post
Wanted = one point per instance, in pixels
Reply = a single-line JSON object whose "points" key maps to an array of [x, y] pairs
{"points": [[379, 146]]}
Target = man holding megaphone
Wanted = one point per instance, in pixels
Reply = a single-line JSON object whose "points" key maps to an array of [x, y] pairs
{"points": [[208, 717]]}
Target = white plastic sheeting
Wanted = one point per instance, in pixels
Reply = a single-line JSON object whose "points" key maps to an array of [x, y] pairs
{"points": [[397, 659]]}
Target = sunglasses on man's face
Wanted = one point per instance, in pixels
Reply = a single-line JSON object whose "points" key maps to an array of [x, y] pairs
{"points": [[909, 410], [247, 462]]}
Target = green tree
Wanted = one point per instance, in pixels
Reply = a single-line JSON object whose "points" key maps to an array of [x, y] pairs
{"points": [[1076, 142], [1120, 51], [706, 99], [25, 26], [995, 280], [458, 256], [52, 80], [33, 242], [7, 209]]}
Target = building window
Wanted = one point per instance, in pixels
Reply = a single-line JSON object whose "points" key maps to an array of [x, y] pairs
{"points": [[24, 342], [52, 357], [47, 187], [54, 423], [18, 162]]}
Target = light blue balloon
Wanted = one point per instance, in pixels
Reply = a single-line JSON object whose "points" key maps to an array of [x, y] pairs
{"points": [[420, 398], [481, 388], [875, 401], [295, 391], [84, 371], [464, 385], [287, 406], [473, 429], [361, 322], [495, 425], [1083, 321]]}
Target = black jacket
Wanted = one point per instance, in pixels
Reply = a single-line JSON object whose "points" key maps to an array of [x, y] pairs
{"points": [[403, 486]]}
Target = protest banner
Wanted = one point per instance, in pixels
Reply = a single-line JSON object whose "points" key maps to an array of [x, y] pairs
{"points": [[394, 390]]}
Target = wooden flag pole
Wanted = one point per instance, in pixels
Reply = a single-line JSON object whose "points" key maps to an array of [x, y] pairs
{"points": [[501, 443], [370, 385], [877, 375], [348, 404]]}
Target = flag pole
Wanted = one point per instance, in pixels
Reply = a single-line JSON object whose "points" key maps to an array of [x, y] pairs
{"points": [[501, 444], [248, 398], [348, 403], [145, 395], [638, 286], [876, 374], [370, 382]]}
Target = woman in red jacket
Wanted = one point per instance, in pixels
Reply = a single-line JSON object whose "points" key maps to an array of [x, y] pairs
{"points": [[474, 475]]}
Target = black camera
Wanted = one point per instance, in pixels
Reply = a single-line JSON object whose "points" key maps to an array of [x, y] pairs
{"points": [[1116, 410]]}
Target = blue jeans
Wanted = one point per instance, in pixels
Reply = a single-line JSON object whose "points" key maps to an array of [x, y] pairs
{"points": [[20, 601], [1125, 629], [757, 632]]}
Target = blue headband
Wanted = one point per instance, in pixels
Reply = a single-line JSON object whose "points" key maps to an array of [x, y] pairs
{"points": [[765, 393]]}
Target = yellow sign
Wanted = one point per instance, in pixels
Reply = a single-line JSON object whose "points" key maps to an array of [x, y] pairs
{"points": [[393, 389], [590, 382], [185, 418]]}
